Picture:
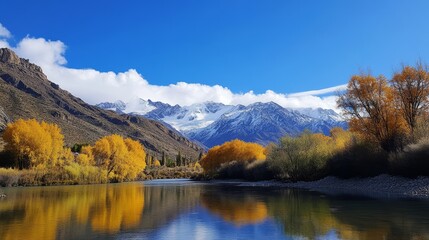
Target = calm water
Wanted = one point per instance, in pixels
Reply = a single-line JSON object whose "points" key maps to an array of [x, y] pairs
{"points": [[180, 209]]}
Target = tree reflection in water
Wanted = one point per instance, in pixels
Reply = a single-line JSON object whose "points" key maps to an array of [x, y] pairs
{"points": [[38, 212], [237, 209], [311, 215], [134, 210]]}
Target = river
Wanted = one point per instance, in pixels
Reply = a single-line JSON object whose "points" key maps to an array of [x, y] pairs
{"points": [[182, 209]]}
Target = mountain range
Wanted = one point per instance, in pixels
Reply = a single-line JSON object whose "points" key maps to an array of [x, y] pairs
{"points": [[26, 92], [213, 123]]}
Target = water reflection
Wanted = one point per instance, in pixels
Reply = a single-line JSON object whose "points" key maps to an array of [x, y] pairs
{"points": [[49, 212], [190, 211], [235, 208], [310, 215]]}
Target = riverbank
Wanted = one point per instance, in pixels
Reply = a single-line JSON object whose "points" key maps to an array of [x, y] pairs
{"points": [[63, 176], [379, 186]]}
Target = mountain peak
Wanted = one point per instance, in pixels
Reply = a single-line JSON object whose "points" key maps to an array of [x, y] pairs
{"points": [[9, 56], [264, 105]]}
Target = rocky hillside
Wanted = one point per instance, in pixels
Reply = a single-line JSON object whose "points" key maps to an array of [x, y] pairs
{"points": [[25, 92], [4, 119]]}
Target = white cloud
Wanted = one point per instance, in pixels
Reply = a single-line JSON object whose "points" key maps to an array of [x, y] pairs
{"points": [[320, 91], [94, 86], [42, 52], [4, 44], [4, 33]]}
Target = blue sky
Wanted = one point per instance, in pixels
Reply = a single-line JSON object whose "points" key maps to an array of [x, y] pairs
{"points": [[248, 45]]}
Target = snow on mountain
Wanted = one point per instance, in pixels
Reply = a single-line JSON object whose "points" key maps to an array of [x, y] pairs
{"points": [[214, 123], [197, 116], [259, 122], [323, 114], [117, 106], [136, 106]]}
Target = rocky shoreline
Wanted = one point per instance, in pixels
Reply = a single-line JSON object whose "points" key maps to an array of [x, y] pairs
{"points": [[379, 186]]}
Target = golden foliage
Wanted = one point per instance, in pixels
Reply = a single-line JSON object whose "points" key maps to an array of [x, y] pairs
{"points": [[197, 166], [235, 150], [123, 158], [341, 138], [370, 103], [35, 144], [156, 163]]}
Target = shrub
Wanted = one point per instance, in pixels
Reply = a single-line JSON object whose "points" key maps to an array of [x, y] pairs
{"points": [[81, 174], [301, 158], [250, 170], [9, 177], [197, 166], [360, 159], [413, 161], [156, 163], [235, 150]]}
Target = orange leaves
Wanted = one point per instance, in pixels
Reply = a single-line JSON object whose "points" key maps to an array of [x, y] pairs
{"points": [[34, 144], [411, 88], [370, 104], [235, 150], [388, 114]]}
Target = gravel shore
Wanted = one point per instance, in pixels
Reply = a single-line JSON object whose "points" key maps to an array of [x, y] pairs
{"points": [[379, 186]]}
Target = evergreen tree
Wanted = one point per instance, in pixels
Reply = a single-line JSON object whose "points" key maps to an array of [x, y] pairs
{"points": [[163, 160], [179, 159]]}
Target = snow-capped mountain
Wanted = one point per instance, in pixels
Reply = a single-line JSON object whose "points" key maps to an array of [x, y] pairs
{"points": [[323, 114], [117, 106], [214, 123], [136, 106], [259, 122], [197, 116]]}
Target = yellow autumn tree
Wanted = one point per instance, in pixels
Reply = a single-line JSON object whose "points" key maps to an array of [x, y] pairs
{"points": [[35, 144], [122, 158], [235, 150]]}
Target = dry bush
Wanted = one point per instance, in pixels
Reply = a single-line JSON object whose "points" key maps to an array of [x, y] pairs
{"points": [[9, 177]]}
